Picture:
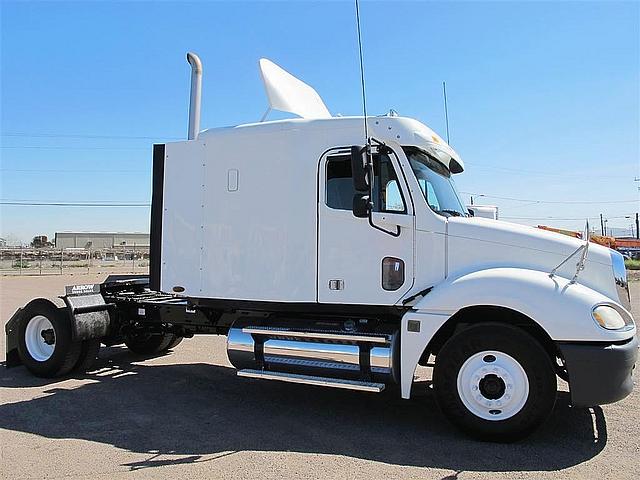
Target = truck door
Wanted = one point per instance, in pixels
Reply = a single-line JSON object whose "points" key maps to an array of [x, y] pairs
{"points": [[358, 263]]}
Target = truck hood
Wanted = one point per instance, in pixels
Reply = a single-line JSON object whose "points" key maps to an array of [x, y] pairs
{"points": [[477, 243]]}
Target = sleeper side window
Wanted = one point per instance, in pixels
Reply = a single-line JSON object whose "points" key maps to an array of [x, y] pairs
{"points": [[387, 196]]}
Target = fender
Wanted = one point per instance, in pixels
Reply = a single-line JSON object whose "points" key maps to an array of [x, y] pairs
{"points": [[561, 308], [85, 308], [88, 311]]}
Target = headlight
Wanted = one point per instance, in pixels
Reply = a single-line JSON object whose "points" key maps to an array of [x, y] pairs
{"points": [[609, 318]]}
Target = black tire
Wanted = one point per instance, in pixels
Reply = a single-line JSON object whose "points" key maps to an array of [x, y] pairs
{"points": [[148, 344], [519, 346], [88, 355], [175, 341], [65, 351]]}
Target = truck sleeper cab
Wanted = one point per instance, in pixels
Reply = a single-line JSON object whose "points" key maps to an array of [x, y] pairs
{"points": [[331, 261]]}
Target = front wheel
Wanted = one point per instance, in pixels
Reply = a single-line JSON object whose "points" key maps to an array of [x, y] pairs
{"points": [[494, 382]]}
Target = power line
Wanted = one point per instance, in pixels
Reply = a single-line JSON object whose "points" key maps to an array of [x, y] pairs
{"points": [[76, 170], [72, 204], [566, 218], [516, 171], [572, 202], [58, 147], [108, 137], [139, 202], [143, 137]]}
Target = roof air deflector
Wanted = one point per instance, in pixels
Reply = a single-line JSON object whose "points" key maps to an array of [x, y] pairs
{"points": [[289, 94]]}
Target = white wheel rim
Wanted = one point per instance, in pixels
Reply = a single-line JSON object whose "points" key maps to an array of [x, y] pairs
{"points": [[493, 385], [40, 346]]}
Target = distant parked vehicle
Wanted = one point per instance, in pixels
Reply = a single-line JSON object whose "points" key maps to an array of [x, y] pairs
{"points": [[484, 211]]}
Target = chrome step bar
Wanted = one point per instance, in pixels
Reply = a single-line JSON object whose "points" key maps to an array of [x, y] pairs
{"points": [[303, 362], [313, 380], [283, 332]]}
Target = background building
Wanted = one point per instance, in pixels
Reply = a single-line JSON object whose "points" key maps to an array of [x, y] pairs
{"points": [[97, 240]]}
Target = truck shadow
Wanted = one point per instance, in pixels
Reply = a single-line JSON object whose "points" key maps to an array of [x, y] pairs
{"points": [[202, 412]]}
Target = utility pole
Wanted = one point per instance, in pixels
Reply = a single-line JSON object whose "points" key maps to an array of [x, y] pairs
{"points": [[637, 227], [601, 226]]}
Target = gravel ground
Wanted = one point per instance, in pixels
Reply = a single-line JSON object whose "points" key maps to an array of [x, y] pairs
{"points": [[186, 415]]}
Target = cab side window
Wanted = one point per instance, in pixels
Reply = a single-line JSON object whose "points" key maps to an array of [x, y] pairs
{"points": [[387, 196], [340, 189], [430, 194]]}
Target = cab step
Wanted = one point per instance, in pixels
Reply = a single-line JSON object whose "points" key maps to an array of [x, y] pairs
{"points": [[316, 335], [313, 380]]}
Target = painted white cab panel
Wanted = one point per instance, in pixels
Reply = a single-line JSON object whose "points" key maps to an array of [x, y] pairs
{"points": [[561, 308], [351, 251], [182, 217], [414, 343], [259, 236], [478, 243]]}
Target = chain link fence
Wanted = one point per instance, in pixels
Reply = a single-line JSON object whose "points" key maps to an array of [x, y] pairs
{"points": [[52, 261]]}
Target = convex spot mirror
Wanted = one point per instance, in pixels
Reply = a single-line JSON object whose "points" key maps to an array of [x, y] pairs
{"points": [[361, 205]]}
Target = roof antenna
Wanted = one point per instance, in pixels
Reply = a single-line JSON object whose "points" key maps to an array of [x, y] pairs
{"points": [[367, 148], [364, 96], [446, 110]]}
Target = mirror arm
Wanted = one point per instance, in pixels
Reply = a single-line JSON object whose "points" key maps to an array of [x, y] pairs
{"points": [[382, 147], [371, 177], [364, 177]]}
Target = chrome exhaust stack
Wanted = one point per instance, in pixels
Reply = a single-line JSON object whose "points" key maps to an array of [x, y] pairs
{"points": [[195, 96]]}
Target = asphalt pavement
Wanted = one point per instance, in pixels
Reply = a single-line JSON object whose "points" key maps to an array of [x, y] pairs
{"points": [[186, 415]]}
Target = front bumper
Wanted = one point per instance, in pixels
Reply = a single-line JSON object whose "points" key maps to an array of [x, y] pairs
{"points": [[599, 374]]}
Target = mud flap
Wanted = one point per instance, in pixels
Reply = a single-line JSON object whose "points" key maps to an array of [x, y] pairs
{"points": [[11, 345]]}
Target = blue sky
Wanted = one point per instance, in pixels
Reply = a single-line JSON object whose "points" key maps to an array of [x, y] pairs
{"points": [[544, 98]]}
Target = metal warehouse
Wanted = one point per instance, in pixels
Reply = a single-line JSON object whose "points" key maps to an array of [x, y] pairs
{"points": [[100, 239]]}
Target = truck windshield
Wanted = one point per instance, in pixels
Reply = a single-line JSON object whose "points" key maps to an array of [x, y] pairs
{"points": [[436, 183]]}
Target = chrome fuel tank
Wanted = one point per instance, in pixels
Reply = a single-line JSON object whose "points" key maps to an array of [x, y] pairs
{"points": [[313, 351]]}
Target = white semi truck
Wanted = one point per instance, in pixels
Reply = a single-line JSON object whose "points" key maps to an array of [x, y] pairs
{"points": [[338, 260]]}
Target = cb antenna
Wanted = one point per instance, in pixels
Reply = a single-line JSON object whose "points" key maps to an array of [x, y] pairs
{"points": [[364, 96], [446, 110]]}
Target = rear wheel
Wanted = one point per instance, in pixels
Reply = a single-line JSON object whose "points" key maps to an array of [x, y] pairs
{"points": [[45, 343], [148, 343], [88, 355], [495, 382], [175, 341]]}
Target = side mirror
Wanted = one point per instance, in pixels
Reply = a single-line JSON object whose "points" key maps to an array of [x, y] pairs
{"points": [[361, 205], [361, 199], [358, 171]]}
